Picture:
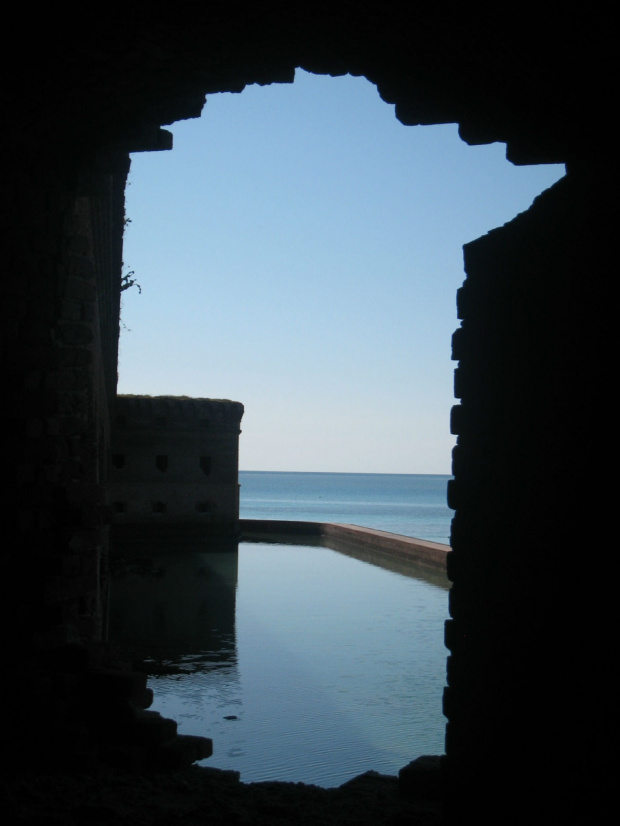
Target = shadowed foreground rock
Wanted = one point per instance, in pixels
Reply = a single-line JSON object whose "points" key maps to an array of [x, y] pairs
{"points": [[201, 796]]}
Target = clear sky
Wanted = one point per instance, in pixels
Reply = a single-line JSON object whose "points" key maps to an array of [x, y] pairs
{"points": [[299, 250]]}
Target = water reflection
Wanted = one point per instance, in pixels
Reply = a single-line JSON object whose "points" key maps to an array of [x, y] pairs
{"points": [[166, 605], [300, 663]]}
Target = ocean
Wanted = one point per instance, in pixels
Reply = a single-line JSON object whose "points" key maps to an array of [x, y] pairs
{"points": [[407, 504]]}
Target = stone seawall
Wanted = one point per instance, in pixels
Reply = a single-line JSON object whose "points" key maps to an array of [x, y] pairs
{"points": [[347, 538]]}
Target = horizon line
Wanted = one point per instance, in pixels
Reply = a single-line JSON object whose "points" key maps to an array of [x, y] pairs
{"points": [[345, 473]]}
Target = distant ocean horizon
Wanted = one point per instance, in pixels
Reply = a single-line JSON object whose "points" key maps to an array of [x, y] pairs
{"points": [[408, 504]]}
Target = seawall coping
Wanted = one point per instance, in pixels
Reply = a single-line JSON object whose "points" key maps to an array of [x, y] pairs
{"points": [[422, 551]]}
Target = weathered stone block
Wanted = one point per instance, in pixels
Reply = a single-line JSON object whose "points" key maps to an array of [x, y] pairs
{"points": [[423, 778], [181, 752]]}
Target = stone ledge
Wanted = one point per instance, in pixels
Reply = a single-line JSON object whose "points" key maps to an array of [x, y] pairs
{"points": [[330, 534]]}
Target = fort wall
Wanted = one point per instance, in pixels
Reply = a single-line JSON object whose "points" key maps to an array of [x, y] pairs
{"points": [[174, 469]]}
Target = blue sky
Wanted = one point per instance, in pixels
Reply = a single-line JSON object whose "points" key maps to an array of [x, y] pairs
{"points": [[299, 250]]}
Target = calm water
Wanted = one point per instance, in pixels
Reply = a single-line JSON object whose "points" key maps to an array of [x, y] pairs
{"points": [[412, 505], [301, 663]]}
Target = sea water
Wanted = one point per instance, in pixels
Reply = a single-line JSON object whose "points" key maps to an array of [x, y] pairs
{"points": [[407, 504], [301, 663]]}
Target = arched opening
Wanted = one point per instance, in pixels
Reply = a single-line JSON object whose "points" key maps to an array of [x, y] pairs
{"points": [[300, 250], [395, 312]]}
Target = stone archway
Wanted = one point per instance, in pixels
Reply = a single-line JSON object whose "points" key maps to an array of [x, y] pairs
{"points": [[531, 612]]}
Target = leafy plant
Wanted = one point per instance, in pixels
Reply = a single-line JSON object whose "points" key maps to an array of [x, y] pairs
{"points": [[128, 281]]}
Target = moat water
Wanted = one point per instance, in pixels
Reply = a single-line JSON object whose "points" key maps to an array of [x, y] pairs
{"points": [[299, 662]]}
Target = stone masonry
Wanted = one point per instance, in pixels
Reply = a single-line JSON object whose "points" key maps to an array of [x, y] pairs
{"points": [[174, 469]]}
